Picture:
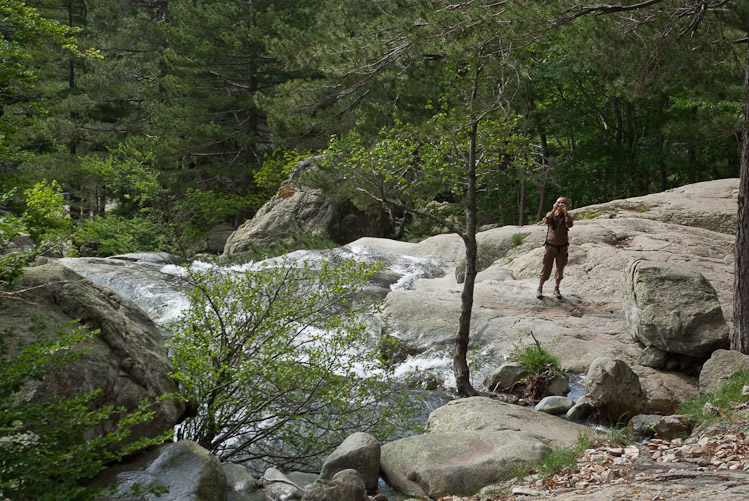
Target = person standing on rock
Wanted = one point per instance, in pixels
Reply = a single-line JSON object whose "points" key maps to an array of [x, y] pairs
{"points": [[556, 245]]}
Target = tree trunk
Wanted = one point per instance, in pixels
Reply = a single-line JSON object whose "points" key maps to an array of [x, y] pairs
{"points": [[460, 357], [546, 169], [521, 203], [740, 335]]}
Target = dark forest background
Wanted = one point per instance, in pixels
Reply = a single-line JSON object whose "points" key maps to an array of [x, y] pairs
{"points": [[155, 121]]}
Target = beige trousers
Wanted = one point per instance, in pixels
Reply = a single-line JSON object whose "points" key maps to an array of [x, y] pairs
{"points": [[554, 254]]}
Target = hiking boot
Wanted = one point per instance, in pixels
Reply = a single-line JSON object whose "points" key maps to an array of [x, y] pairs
{"points": [[539, 293], [557, 294]]}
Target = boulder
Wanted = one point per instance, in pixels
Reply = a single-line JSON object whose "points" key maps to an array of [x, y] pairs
{"points": [[558, 385], [580, 411], [663, 427], [486, 414], [278, 487], [150, 257], [555, 405], [653, 357], [240, 484], [346, 485], [664, 391], [298, 209], [506, 376], [613, 389], [126, 359], [722, 365], [673, 308], [190, 472], [361, 452], [457, 463], [643, 425]]}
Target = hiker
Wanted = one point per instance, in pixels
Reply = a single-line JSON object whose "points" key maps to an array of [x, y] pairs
{"points": [[556, 245]]}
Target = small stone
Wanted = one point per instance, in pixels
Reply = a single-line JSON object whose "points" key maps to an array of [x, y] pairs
{"points": [[710, 409], [525, 491]]}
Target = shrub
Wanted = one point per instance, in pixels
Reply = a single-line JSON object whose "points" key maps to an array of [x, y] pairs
{"points": [[536, 359], [44, 216], [110, 235], [517, 239], [283, 364]]}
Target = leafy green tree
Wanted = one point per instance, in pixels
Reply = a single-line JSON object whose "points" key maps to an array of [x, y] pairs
{"points": [[283, 363], [23, 31], [44, 214], [468, 47]]}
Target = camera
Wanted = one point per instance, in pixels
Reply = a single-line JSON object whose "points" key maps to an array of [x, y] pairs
{"points": [[560, 205]]}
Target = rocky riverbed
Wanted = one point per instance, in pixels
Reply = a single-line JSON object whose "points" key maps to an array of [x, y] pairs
{"points": [[712, 464]]}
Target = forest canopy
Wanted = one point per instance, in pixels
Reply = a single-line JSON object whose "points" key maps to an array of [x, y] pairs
{"points": [[159, 120]]}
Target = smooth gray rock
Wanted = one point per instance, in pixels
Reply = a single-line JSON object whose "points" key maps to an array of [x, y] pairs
{"points": [[558, 386], [126, 360], [554, 405], [653, 357], [613, 389], [150, 257], [279, 487], [673, 308], [643, 425], [361, 452], [486, 414], [664, 427], [346, 485], [580, 411], [505, 376], [722, 365], [458, 463], [240, 484], [190, 472]]}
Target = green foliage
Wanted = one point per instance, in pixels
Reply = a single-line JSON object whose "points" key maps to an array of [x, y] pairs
{"points": [[44, 212], [536, 359], [283, 363], [559, 458], [11, 263], [722, 402], [24, 30], [125, 174], [46, 447], [195, 212], [111, 234], [517, 238], [276, 168]]}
